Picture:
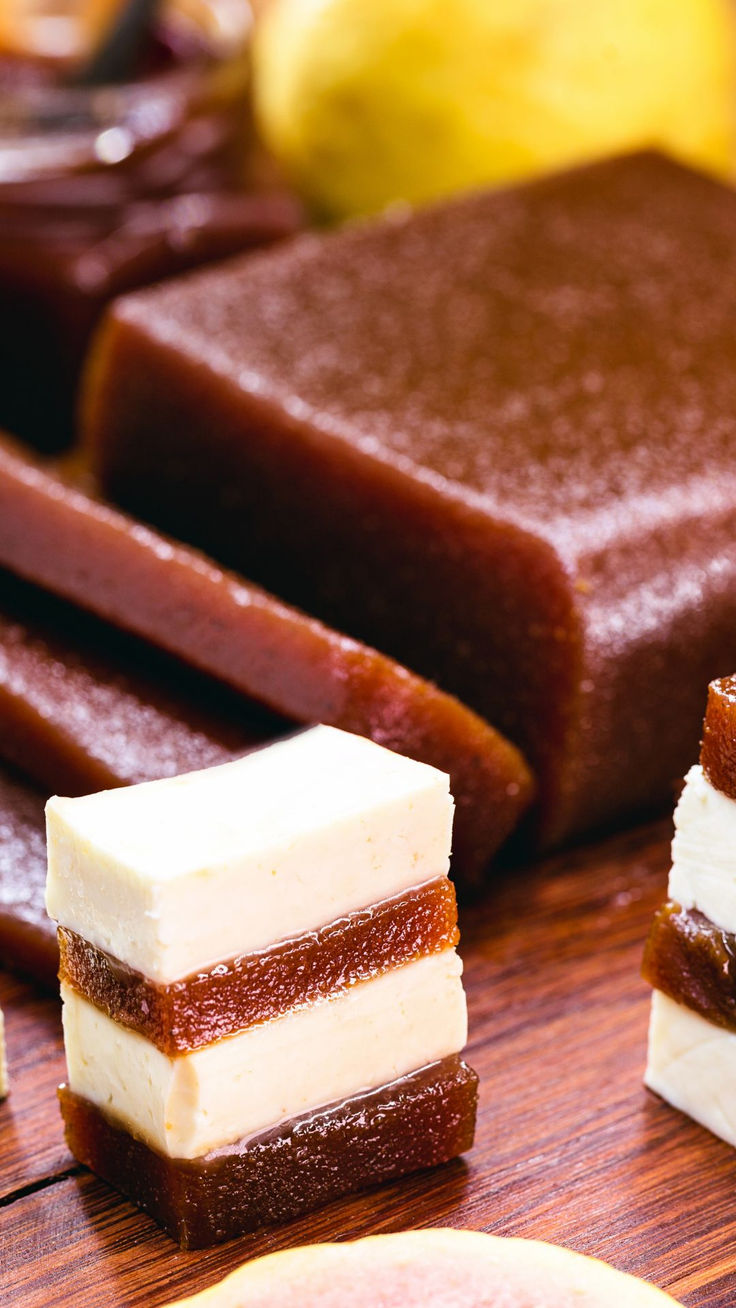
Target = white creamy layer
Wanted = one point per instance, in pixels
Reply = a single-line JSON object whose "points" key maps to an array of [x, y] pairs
{"points": [[703, 874], [692, 1064], [173, 876], [369, 1035]]}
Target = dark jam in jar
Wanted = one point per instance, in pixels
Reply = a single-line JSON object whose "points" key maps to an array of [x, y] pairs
{"points": [[104, 189]]}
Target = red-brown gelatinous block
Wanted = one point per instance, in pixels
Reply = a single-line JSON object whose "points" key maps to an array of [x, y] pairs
{"points": [[420, 1121], [693, 961], [27, 936], [494, 438], [718, 748], [55, 535], [256, 987], [84, 708]]}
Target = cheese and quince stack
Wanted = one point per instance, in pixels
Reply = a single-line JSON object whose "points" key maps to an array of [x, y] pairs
{"points": [[690, 957], [263, 1006]]}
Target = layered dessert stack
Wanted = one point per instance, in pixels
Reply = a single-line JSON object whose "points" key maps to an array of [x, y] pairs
{"points": [[690, 956], [263, 1006]]}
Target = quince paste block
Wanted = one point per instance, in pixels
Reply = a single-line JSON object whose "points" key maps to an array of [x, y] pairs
{"points": [[494, 438]]}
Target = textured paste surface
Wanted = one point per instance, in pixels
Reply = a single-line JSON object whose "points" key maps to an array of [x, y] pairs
{"points": [[495, 439]]}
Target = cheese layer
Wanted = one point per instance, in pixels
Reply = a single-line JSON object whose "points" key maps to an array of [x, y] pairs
{"points": [[186, 1106], [692, 1064], [703, 874], [172, 876]]}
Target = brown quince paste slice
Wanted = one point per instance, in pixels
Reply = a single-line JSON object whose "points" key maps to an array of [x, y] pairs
{"points": [[256, 987], [693, 961], [421, 1120], [718, 748], [59, 537], [84, 707]]}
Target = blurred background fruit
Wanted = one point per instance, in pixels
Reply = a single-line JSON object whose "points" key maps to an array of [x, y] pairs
{"points": [[370, 101], [50, 29]]}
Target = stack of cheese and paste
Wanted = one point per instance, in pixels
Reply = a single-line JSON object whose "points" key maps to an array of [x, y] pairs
{"points": [[690, 956], [263, 1006]]}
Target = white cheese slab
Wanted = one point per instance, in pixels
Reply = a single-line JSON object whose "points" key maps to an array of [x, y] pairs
{"points": [[692, 1064], [4, 1086], [369, 1035], [703, 874], [174, 876]]}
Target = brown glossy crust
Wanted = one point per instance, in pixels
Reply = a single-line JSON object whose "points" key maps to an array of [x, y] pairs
{"points": [[27, 935], [57, 536], [493, 438], [718, 748], [259, 986], [420, 1121], [693, 961]]}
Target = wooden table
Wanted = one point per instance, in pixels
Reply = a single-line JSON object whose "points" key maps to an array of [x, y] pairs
{"points": [[570, 1147]]}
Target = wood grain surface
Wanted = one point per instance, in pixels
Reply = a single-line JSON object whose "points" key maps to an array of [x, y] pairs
{"points": [[570, 1147]]}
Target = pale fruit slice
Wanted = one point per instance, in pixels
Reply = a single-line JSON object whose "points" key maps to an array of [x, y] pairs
{"points": [[444, 1268]]}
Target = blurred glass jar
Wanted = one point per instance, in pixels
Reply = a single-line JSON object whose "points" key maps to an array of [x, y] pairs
{"points": [[108, 188]]}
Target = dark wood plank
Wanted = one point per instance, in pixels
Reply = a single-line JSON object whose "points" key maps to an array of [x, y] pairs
{"points": [[570, 1147]]}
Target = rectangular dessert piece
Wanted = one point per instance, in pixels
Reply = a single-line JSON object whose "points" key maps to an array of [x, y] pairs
{"points": [[494, 438], [257, 965], [53, 534], [690, 956]]}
